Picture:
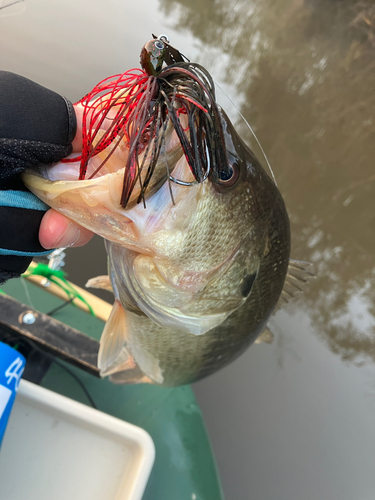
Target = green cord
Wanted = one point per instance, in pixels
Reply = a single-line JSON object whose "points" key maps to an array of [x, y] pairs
{"points": [[58, 277]]}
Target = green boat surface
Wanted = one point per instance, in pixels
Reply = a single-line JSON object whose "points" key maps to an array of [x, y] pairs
{"points": [[184, 465]]}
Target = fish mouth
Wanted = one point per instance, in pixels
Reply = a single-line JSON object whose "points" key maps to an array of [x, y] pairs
{"points": [[109, 164], [94, 202]]}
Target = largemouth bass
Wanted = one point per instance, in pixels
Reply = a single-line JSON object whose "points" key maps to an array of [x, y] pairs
{"points": [[198, 250]]}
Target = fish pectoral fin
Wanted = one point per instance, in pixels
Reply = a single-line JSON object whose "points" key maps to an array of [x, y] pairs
{"points": [[298, 275], [113, 339], [101, 282], [266, 337]]}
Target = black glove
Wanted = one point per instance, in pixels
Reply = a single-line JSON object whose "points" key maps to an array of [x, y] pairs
{"points": [[36, 126]]}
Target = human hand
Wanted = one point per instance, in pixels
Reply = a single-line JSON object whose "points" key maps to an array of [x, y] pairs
{"points": [[36, 126], [56, 230]]}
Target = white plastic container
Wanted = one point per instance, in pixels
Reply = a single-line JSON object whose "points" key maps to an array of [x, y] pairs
{"points": [[56, 448]]}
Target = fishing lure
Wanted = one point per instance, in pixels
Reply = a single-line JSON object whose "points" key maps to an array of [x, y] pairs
{"points": [[140, 104]]}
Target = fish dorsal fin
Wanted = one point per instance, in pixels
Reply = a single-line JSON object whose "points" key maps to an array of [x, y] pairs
{"points": [[298, 275], [265, 337], [113, 339]]}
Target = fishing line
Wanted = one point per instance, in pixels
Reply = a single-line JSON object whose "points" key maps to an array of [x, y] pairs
{"points": [[251, 130], [28, 297], [10, 4], [61, 306], [78, 380], [35, 347]]}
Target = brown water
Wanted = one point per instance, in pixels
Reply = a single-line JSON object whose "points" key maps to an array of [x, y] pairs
{"points": [[296, 419]]}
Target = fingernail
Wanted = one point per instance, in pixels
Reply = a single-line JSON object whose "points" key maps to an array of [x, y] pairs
{"points": [[69, 238]]}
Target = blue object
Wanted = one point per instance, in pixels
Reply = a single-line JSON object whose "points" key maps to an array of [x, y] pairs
{"points": [[21, 199], [12, 365], [6, 251]]}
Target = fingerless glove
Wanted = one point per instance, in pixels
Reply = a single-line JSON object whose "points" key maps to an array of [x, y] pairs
{"points": [[36, 126]]}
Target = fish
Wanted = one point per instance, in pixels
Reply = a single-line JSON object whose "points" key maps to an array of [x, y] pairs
{"points": [[197, 233]]}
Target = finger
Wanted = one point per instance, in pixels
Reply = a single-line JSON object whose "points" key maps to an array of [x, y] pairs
{"points": [[77, 141], [79, 109], [56, 230]]}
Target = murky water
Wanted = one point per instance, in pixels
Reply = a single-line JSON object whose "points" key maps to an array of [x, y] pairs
{"points": [[294, 419]]}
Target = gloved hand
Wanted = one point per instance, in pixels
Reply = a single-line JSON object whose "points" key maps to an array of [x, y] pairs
{"points": [[36, 126]]}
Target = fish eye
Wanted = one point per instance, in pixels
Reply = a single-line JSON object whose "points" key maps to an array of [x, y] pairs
{"points": [[228, 178], [159, 44]]}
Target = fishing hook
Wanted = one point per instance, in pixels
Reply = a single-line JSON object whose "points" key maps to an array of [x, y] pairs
{"points": [[192, 183]]}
